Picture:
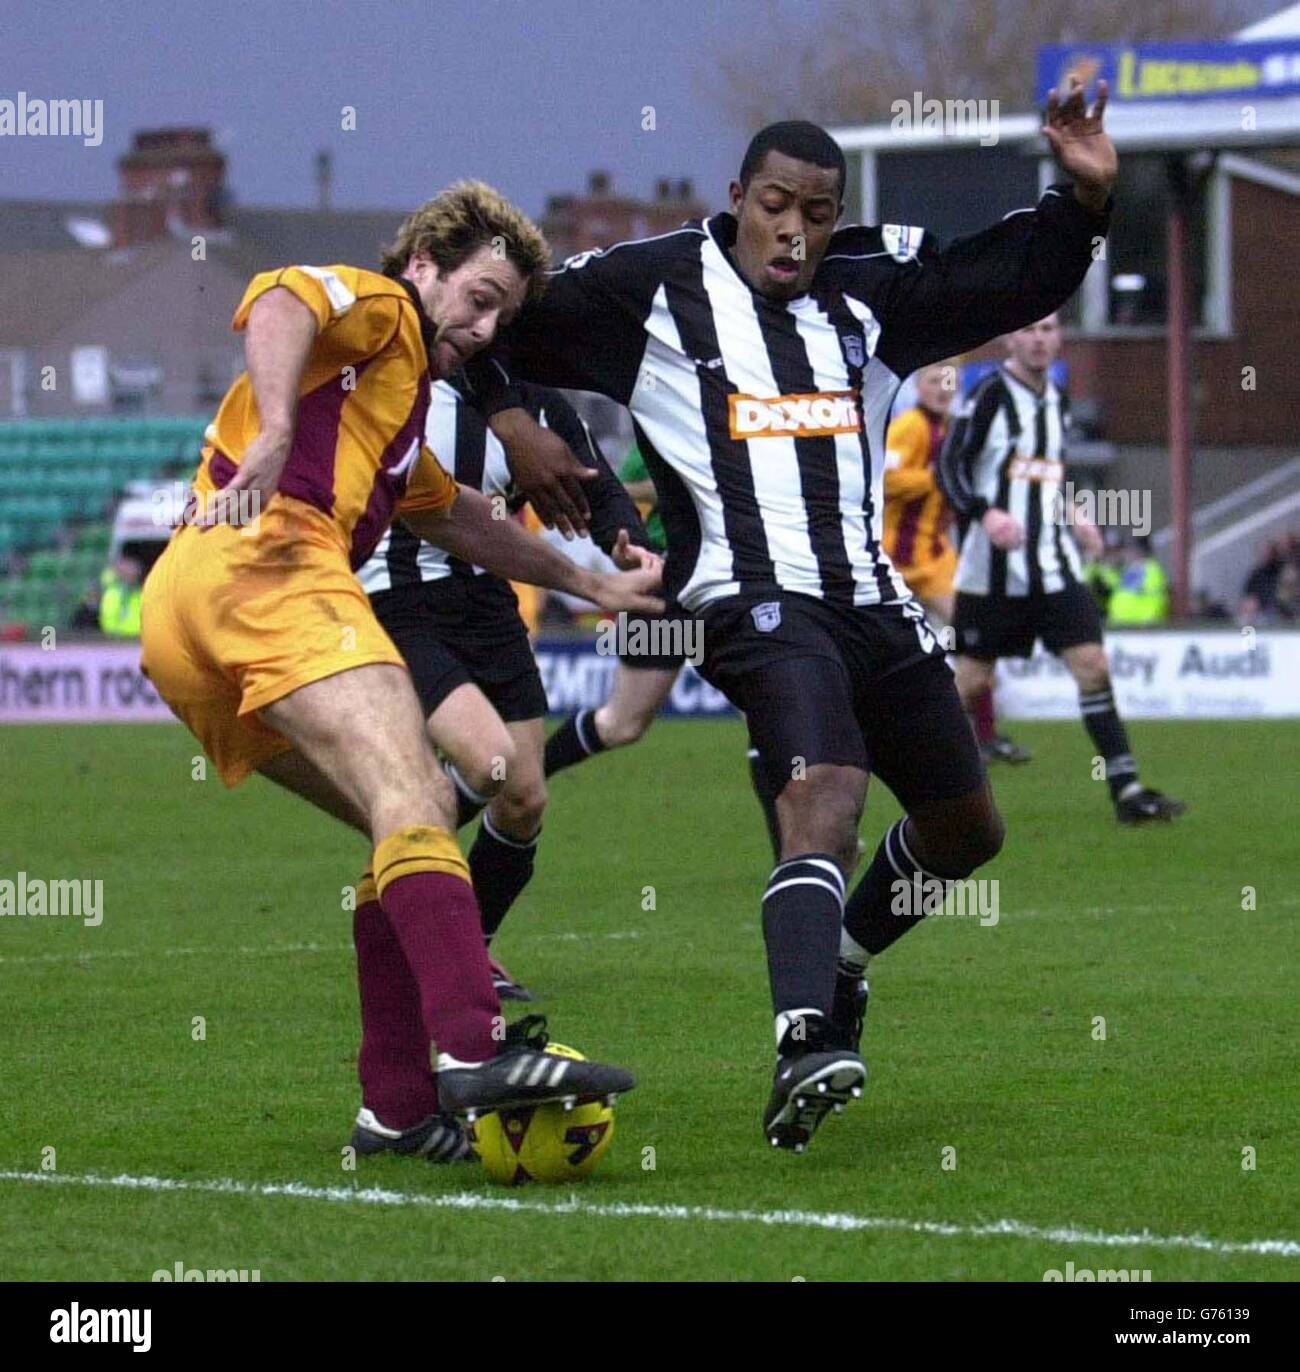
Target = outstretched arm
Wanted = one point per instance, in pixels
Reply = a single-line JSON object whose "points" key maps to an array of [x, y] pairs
{"points": [[1019, 270], [468, 529]]}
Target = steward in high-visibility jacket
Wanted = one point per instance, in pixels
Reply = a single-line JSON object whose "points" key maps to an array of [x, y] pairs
{"points": [[119, 600], [1142, 596]]}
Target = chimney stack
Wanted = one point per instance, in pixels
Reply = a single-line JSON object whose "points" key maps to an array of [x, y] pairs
{"points": [[169, 176], [324, 178], [598, 183]]}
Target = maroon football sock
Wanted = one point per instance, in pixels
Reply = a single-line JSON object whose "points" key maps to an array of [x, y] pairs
{"points": [[396, 1076], [436, 920], [981, 713]]}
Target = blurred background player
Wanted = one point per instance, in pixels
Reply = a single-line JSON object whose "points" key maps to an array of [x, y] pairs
{"points": [[465, 642], [1019, 576], [642, 683], [258, 635], [917, 520]]}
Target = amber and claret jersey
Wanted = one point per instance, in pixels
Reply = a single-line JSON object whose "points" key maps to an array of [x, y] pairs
{"points": [[358, 452], [916, 514]]}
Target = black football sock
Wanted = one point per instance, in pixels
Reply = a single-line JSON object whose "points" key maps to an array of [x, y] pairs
{"points": [[803, 909], [872, 918], [499, 868], [1110, 738], [767, 795], [574, 741], [468, 800]]}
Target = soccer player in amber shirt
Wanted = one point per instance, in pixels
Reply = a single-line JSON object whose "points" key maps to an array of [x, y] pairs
{"points": [[918, 521], [259, 637]]}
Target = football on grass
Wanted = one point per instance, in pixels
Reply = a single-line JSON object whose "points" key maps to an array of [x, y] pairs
{"points": [[544, 1142]]}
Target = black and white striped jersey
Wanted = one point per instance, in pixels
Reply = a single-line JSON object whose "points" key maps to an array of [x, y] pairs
{"points": [[762, 422], [1006, 451], [473, 455]]}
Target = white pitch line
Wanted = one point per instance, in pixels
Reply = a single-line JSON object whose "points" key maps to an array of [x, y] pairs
{"points": [[801, 1219], [274, 949], [265, 950]]}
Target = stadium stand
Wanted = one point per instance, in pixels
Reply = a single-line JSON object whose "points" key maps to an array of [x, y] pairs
{"points": [[59, 481]]}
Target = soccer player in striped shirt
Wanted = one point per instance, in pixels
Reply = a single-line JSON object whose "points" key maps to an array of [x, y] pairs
{"points": [[917, 520], [1019, 575], [260, 638], [759, 353]]}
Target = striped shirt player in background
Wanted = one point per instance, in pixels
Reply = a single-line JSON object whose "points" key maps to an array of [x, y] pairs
{"points": [[467, 647], [759, 353], [258, 635], [642, 681], [917, 520], [1019, 575]]}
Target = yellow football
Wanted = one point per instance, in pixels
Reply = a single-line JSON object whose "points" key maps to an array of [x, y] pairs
{"points": [[544, 1142]]}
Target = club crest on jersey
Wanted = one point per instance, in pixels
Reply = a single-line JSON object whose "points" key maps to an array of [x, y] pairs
{"points": [[814, 415], [854, 351], [766, 616], [902, 241]]}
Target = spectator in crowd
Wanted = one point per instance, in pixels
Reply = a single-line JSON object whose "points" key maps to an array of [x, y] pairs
{"points": [[1141, 596], [119, 601], [86, 615], [1207, 607], [1286, 594], [1259, 595]]}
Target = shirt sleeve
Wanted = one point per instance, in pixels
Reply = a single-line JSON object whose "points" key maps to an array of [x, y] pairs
{"points": [[907, 446], [324, 290], [612, 508], [946, 301], [429, 487], [586, 333], [961, 450], [349, 327], [634, 468]]}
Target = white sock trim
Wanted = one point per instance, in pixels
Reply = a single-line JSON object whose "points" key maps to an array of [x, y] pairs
{"points": [[806, 881], [787, 1017], [446, 1063], [520, 843], [463, 786], [824, 863]]}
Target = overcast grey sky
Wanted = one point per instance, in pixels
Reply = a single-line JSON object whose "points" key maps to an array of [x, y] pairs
{"points": [[528, 95]]}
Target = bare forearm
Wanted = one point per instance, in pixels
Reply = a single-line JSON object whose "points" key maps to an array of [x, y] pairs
{"points": [[468, 530], [278, 342]]}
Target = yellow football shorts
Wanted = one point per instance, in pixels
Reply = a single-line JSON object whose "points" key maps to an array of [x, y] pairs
{"points": [[233, 620]]}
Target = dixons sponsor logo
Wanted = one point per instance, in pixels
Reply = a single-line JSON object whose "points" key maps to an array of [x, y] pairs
{"points": [[1037, 469], [815, 415]]}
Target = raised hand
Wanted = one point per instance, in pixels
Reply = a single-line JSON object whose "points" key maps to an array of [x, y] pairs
{"points": [[1080, 143]]}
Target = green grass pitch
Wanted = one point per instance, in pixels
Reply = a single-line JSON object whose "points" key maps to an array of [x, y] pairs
{"points": [[982, 1039]]}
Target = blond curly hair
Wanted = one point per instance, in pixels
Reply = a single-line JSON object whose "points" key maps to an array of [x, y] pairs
{"points": [[460, 220]]}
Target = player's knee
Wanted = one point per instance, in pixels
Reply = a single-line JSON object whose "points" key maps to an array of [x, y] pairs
{"points": [[1091, 670], [954, 850], [820, 815], [519, 808], [619, 728], [488, 765]]}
